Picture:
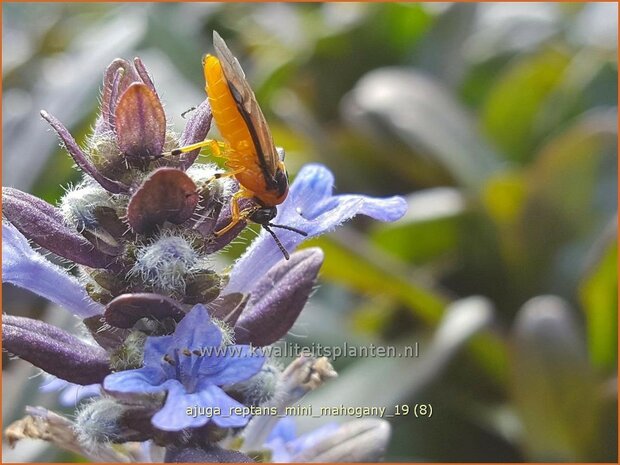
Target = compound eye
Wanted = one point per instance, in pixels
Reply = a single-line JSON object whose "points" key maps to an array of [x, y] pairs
{"points": [[264, 215], [281, 153]]}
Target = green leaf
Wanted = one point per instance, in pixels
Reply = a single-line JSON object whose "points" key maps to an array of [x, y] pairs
{"points": [[405, 377], [430, 228], [598, 294], [504, 196], [570, 193], [403, 24], [509, 115], [442, 52], [554, 387], [565, 184], [350, 261], [402, 104]]}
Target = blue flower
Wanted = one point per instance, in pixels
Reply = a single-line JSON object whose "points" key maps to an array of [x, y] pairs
{"points": [[191, 366], [24, 267], [70, 393], [285, 445], [311, 207]]}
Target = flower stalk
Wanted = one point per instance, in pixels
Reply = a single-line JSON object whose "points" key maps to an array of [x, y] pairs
{"points": [[166, 330]]}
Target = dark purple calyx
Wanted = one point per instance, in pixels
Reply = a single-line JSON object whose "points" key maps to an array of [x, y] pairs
{"points": [[54, 350], [43, 224], [278, 298]]}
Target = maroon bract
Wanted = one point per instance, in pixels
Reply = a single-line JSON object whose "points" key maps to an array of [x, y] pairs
{"points": [[140, 125], [166, 195], [119, 75], [125, 310]]}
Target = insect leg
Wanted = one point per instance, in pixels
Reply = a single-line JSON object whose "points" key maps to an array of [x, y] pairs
{"points": [[236, 214], [226, 174], [216, 147]]}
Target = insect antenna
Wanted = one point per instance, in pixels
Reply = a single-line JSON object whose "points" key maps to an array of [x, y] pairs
{"points": [[275, 238], [289, 228], [189, 110]]}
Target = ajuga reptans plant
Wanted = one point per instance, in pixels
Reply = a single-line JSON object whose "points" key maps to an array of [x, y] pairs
{"points": [[170, 348]]}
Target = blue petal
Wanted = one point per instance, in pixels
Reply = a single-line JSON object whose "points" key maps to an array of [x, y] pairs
{"points": [[308, 440], [285, 446], [155, 348], [70, 393], [24, 267], [228, 418], [285, 429], [310, 207], [197, 330], [279, 451], [142, 380], [173, 416], [73, 394], [239, 363]]}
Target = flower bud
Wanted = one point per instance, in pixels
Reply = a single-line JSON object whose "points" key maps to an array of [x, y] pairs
{"points": [[261, 387], [195, 130], [98, 422], [164, 264], [278, 298], [202, 287], [54, 350], [42, 223]]}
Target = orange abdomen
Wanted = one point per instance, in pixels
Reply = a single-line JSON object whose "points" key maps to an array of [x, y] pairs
{"points": [[232, 127], [227, 117]]}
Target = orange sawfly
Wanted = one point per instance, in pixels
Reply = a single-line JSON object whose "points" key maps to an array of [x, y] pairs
{"points": [[251, 155]]}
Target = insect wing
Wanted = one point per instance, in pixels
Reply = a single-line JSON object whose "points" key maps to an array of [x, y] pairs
{"points": [[245, 97]]}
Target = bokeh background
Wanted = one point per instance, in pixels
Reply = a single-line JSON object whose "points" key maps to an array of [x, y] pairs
{"points": [[496, 121]]}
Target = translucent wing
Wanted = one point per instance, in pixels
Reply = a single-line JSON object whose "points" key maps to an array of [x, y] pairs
{"points": [[248, 106]]}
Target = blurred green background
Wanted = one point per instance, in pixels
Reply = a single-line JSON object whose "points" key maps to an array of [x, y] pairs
{"points": [[496, 121]]}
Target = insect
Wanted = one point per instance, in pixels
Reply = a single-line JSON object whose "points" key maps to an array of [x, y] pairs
{"points": [[252, 157]]}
